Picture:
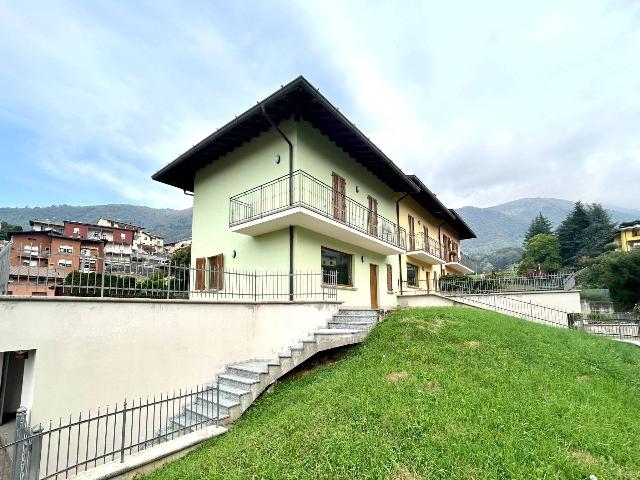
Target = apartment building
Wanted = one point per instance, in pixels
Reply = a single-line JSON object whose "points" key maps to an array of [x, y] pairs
{"points": [[144, 242], [46, 256], [434, 233], [627, 237], [46, 225], [292, 185], [119, 241]]}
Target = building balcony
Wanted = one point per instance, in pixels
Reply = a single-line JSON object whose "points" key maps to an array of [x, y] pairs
{"points": [[30, 253], [458, 262], [302, 200], [425, 249]]}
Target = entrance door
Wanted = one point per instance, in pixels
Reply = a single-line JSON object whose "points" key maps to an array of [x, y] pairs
{"points": [[11, 385], [373, 284]]}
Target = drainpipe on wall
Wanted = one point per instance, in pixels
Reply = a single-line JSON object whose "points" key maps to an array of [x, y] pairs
{"points": [[399, 255], [286, 139], [440, 242]]}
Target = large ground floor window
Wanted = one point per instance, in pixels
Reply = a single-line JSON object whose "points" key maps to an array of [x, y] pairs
{"points": [[339, 262], [412, 275]]}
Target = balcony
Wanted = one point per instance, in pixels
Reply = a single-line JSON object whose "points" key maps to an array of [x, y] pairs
{"points": [[302, 200], [425, 249], [458, 262], [32, 253]]}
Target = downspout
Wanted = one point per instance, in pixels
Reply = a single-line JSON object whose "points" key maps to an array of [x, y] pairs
{"points": [[440, 242], [398, 220], [286, 139]]}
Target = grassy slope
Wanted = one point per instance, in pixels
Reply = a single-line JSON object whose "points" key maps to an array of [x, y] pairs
{"points": [[444, 393]]}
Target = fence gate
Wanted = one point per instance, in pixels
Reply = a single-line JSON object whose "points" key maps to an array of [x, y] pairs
{"points": [[20, 459]]}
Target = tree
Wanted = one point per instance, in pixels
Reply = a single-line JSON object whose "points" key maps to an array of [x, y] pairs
{"points": [[540, 224], [543, 252], [617, 271], [570, 235], [6, 229], [599, 232], [181, 256]]}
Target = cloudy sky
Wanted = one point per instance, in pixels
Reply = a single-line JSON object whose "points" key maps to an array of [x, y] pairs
{"points": [[486, 101]]}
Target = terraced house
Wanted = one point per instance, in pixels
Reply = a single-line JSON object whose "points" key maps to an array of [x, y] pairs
{"points": [[292, 185]]}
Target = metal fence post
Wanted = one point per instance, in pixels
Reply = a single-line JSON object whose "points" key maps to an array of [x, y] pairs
{"points": [[36, 450], [124, 430], [218, 401], [104, 272], [169, 281], [19, 447]]}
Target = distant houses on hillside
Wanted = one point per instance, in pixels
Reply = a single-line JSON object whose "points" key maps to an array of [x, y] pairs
{"points": [[43, 257], [627, 237]]}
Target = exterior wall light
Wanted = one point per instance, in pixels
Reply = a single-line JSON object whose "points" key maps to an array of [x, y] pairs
{"points": [[277, 159], [362, 259], [357, 189], [233, 254]]}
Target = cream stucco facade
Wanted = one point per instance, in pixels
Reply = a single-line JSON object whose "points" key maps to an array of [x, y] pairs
{"points": [[263, 159]]}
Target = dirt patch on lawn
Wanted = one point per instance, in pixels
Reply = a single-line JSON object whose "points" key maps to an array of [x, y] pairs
{"points": [[397, 376], [431, 325], [403, 473], [583, 378], [584, 457], [433, 388], [471, 344]]}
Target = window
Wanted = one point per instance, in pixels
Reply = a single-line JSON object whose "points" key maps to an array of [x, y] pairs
{"points": [[64, 263], [412, 275], [372, 217], [215, 270], [76, 230], [389, 278], [123, 236], [339, 199], [412, 234], [66, 249], [338, 262], [636, 232]]}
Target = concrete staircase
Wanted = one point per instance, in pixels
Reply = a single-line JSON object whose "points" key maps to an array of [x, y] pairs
{"points": [[242, 382]]}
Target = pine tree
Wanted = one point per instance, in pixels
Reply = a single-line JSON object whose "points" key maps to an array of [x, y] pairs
{"points": [[571, 235], [599, 232], [540, 224]]}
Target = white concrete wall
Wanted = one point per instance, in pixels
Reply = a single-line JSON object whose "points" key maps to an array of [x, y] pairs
{"points": [[567, 301], [92, 353]]}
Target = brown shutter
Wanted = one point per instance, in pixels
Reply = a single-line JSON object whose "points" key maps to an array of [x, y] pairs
{"points": [[389, 278], [219, 265], [339, 186], [412, 236], [200, 266]]}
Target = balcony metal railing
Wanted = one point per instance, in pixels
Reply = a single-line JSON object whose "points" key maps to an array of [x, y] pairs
{"points": [[420, 242], [452, 256], [303, 190]]}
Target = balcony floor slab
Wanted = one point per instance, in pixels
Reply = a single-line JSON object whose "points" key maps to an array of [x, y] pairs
{"points": [[306, 218]]}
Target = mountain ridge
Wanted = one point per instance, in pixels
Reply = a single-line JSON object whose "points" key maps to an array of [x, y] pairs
{"points": [[498, 226]]}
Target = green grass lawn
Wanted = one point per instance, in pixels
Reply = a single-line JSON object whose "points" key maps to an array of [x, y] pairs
{"points": [[443, 393]]}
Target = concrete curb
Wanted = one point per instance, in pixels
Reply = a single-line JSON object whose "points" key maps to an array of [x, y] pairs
{"points": [[152, 458]]}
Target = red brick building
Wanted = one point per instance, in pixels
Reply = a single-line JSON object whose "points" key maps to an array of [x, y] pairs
{"points": [[40, 260]]}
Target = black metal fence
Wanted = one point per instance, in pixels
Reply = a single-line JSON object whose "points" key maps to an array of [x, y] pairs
{"points": [[71, 445], [303, 190], [68, 274]]}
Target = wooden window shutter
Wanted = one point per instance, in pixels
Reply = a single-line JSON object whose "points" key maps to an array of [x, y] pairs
{"points": [[219, 265], [200, 267], [389, 278], [372, 216], [339, 186], [412, 237]]}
